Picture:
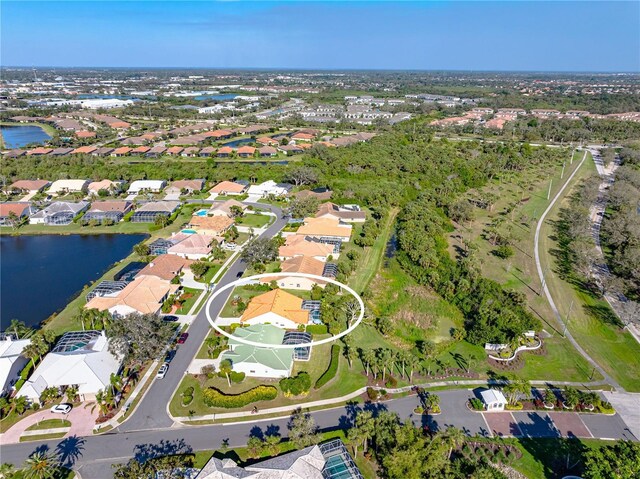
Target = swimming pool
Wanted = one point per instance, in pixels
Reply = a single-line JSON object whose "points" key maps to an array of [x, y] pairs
{"points": [[189, 232], [201, 213]]}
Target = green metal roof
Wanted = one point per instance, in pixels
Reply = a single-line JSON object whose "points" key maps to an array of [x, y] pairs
{"points": [[262, 333]]}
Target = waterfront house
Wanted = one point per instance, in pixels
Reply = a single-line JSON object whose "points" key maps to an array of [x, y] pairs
{"points": [[210, 225], [220, 134], [148, 212], [302, 136], [144, 295], [267, 141], [246, 151], [155, 152], [15, 153], [165, 266], [79, 358], [107, 210], [224, 152], [229, 188], [291, 149], [267, 152], [12, 361], [39, 151], [276, 307], [206, 152], [19, 208], [63, 187], [84, 150], [59, 213], [193, 246], [139, 186], [61, 151]]}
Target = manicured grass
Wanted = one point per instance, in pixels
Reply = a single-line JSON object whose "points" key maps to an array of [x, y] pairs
{"points": [[254, 220], [188, 304], [43, 437], [229, 310], [590, 317], [49, 424], [64, 473]]}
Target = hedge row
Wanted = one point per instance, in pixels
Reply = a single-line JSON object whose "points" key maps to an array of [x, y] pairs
{"points": [[215, 398], [329, 374]]}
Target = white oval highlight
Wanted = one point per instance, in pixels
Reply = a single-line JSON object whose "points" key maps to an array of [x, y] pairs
{"points": [[243, 281]]}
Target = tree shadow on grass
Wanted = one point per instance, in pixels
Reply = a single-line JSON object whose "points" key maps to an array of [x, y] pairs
{"points": [[558, 457]]}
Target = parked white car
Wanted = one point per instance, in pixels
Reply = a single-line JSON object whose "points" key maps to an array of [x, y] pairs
{"points": [[61, 408], [162, 372]]}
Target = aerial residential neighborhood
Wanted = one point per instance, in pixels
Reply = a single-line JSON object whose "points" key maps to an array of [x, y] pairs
{"points": [[319, 240]]}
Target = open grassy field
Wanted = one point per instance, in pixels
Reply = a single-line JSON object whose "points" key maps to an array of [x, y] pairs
{"points": [[254, 220]]}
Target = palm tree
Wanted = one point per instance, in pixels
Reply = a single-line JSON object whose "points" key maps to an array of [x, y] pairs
{"points": [[72, 393], [31, 351], [452, 437], [362, 430], [41, 466], [431, 401], [272, 444], [20, 404], [412, 363], [116, 383], [17, 327], [7, 471], [515, 387], [226, 368], [101, 402], [368, 358], [385, 356], [212, 343]]}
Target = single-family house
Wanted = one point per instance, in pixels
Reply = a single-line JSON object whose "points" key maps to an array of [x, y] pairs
{"points": [[351, 214], [144, 295], [291, 149], [301, 264], [206, 152], [276, 307], [246, 151], [15, 153], [140, 150], [22, 209], [28, 186], [325, 228], [58, 213], [220, 134], [122, 151], [165, 266], [154, 186], [224, 152], [155, 152], [84, 150], [109, 186], [190, 152], [262, 362], [39, 151], [80, 358], [493, 400], [302, 136], [321, 194], [297, 245], [174, 150], [61, 151], [194, 246], [148, 212], [229, 188], [267, 151], [270, 187], [102, 151], [189, 186], [267, 141], [63, 187], [224, 208], [107, 210], [12, 361], [210, 225], [84, 134]]}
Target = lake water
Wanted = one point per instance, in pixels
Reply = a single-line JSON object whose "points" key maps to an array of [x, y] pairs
{"points": [[19, 136], [221, 97], [237, 143], [39, 275]]}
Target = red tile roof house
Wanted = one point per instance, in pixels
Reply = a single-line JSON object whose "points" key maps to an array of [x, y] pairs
{"points": [[39, 151], [189, 185], [206, 151], [300, 136], [85, 134], [140, 150], [220, 134], [265, 140], [267, 151], [155, 152], [190, 151], [84, 150], [224, 152], [174, 150], [21, 210], [290, 149], [122, 151], [246, 151], [29, 186]]}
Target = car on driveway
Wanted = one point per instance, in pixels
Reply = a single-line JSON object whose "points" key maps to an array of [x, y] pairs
{"points": [[183, 338], [162, 372], [170, 317], [61, 408]]}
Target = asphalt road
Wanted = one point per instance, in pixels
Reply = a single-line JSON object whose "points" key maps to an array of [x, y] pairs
{"points": [[151, 412]]}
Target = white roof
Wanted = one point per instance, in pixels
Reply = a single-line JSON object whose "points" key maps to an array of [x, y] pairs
{"points": [[146, 185], [10, 352], [268, 187], [90, 367], [67, 185], [493, 395]]}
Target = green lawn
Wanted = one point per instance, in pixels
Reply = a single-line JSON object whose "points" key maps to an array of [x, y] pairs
{"points": [[43, 437], [50, 424], [254, 220], [188, 304]]}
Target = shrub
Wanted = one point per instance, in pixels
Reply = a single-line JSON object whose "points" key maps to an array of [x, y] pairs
{"points": [[372, 394], [236, 377], [215, 398], [187, 396], [329, 374], [391, 382], [476, 404], [297, 385], [503, 251]]}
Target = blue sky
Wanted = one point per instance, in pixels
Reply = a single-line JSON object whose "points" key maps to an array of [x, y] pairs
{"points": [[540, 36]]}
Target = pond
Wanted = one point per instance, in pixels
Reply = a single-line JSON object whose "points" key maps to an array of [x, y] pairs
{"points": [[220, 97], [240, 142], [41, 274], [19, 136]]}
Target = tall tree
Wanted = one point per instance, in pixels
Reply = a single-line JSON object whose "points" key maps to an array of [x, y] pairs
{"points": [[303, 431], [41, 465]]}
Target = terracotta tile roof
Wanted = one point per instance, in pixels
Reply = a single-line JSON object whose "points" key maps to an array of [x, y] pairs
{"points": [[220, 133], [195, 185], [103, 206], [265, 140], [165, 266], [303, 264], [279, 302], [123, 150], [246, 150], [193, 244], [225, 150], [40, 151], [84, 149], [102, 185], [174, 150], [30, 185], [296, 245], [214, 224], [225, 206], [302, 136], [334, 210], [13, 207], [228, 186], [85, 134], [140, 149], [144, 294]]}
